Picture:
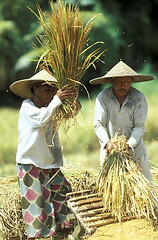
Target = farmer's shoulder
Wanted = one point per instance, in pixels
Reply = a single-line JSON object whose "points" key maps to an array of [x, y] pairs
{"points": [[105, 94], [27, 105], [26, 102], [137, 94]]}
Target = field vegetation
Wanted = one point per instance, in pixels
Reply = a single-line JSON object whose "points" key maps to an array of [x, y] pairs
{"points": [[80, 144]]}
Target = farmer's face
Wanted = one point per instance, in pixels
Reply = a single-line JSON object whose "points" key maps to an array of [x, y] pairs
{"points": [[121, 86], [43, 94]]}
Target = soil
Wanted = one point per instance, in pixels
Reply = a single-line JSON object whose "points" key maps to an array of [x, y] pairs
{"points": [[139, 229]]}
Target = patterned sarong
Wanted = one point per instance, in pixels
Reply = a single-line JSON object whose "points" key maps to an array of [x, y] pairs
{"points": [[43, 202]]}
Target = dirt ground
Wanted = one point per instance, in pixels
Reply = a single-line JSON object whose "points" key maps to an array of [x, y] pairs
{"points": [[131, 230]]}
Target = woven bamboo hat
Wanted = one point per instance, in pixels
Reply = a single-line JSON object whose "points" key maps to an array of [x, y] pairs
{"points": [[23, 87], [121, 70]]}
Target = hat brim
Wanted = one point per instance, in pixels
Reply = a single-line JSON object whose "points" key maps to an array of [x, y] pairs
{"points": [[134, 78], [22, 88]]}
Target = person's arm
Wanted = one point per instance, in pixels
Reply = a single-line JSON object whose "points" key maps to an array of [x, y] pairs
{"points": [[100, 121], [140, 113], [39, 117]]}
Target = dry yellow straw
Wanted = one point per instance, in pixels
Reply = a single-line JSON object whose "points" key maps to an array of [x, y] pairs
{"points": [[12, 226], [64, 50], [124, 188]]}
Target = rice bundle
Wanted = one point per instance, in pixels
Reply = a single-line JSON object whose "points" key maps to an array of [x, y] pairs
{"points": [[12, 225], [81, 178], [124, 188], [64, 51]]}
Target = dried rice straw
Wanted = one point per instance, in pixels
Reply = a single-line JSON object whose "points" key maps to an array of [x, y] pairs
{"points": [[64, 52], [81, 178], [124, 188], [12, 225]]}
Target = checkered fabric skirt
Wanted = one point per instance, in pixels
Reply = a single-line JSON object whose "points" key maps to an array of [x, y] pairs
{"points": [[43, 202]]}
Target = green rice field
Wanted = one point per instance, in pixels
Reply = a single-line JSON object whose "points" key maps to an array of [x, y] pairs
{"points": [[80, 144]]}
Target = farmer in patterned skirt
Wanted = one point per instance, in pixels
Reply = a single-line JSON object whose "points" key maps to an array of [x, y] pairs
{"points": [[43, 187]]}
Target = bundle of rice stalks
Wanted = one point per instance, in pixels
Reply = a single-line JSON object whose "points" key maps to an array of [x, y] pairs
{"points": [[124, 188], [154, 172], [64, 51], [12, 226], [81, 178]]}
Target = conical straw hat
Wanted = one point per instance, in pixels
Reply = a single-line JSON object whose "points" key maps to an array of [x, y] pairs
{"points": [[121, 70], [23, 87]]}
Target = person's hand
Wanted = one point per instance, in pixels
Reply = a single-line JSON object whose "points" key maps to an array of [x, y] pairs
{"points": [[109, 146], [127, 147], [67, 92]]}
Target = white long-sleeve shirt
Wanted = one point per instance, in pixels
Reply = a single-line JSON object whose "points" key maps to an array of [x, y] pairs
{"points": [[38, 144], [129, 119]]}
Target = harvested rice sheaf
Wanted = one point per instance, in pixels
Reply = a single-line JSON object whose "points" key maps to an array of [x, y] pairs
{"points": [[65, 51], [12, 225], [125, 190], [80, 178]]}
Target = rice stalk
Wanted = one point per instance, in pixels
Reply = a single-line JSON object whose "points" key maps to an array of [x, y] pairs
{"points": [[81, 178], [64, 50], [12, 225], [124, 188]]}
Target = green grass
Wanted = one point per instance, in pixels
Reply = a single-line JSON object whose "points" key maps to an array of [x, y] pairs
{"points": [[149, 88], [80, 144], [8, 140]]}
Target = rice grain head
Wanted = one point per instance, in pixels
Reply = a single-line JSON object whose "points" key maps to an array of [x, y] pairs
{"points": [[63, 51]]}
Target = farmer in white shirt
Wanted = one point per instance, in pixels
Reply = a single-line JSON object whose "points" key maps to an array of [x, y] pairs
{"points": [[123, 109], [39, 156]]}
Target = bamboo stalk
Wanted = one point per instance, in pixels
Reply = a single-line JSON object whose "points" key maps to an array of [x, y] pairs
{"points": [[52, 177], [91, 213], [106, 222], [96, 218], [79, 192], [89, 207], [83, 202], [83, 197]]}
